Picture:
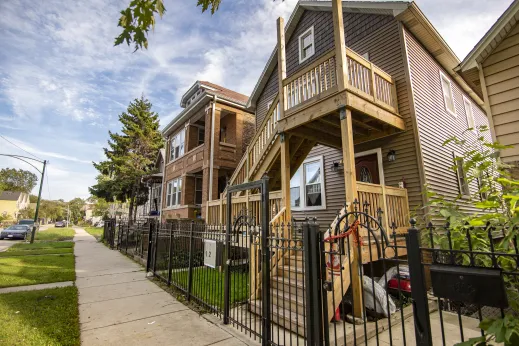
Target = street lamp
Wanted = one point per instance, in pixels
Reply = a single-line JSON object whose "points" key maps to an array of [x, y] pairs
{"points": [[24, 159]]}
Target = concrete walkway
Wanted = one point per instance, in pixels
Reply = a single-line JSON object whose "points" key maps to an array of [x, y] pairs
{"points": [[36, 287], [119, 306]]}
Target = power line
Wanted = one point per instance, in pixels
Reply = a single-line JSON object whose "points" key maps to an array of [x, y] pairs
{"points": [[21, 148]]}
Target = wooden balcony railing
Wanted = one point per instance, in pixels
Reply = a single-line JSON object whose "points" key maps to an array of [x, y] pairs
{"points": [[217, 209], [364, 78]]}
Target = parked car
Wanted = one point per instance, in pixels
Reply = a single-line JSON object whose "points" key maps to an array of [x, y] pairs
{"points": [[100, 224], [30, 223], [16, 232], [59, 224]]}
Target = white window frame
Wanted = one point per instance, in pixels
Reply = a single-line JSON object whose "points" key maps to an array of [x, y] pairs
{"points": [[302, 185], [446, 79], [269, 104], [300, 40], [169, 193], [464, 187], [181, 145], [469, 112], [377, 151]]}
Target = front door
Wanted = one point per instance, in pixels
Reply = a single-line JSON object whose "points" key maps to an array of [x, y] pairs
{"points": [[366, 169]]}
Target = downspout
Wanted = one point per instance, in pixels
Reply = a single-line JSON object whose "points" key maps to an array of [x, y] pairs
{"points": [[211, 158]]}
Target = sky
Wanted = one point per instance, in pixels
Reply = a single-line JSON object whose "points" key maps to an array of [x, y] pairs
{"points": [[63, 83]]}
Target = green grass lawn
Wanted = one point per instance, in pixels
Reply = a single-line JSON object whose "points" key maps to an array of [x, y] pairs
{"points": [[208, 285], [95, 231], [32, 270], [23, 249], [55, 234], [44, 317]]}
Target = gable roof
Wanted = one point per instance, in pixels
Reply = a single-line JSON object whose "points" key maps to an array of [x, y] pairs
{"points": [[198, 95], [10, 195], [405, 11], [492, 38]]}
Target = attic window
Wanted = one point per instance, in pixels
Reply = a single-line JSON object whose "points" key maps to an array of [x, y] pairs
{"points": [[447, 94], [306, 45]]}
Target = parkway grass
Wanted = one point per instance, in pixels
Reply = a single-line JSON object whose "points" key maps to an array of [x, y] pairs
{"points": [[97, 232], [42, 317], [55, 234]]}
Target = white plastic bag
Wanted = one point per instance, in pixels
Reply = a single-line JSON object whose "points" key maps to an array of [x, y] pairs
{"points": [[380, 297]]}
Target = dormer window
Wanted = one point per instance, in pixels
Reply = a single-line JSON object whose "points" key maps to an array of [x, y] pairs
{"points": [[306, 45]]}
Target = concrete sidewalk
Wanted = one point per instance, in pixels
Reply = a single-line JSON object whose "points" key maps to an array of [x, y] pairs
{"points": [[118, 305]]}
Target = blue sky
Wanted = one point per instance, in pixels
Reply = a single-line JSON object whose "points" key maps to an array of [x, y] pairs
{"points": [[63, 84]]}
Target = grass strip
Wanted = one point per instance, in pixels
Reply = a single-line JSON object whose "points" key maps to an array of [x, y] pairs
{"points": [[43, 317]]}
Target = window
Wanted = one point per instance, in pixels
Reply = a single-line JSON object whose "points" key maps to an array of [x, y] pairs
{"points": [[366, 55], [469, 113], [177, 145], [201, 135], [174, 192], [462, 177], [306, 45], [447, 94], [307, 185], [269, 104], [223, 134], [198, 190]]}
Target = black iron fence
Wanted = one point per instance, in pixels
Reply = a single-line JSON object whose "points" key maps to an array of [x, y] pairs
{"points": [[290, 284]]}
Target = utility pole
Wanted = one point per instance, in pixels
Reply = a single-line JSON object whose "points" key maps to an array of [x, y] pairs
{"points": [[38, 202]]}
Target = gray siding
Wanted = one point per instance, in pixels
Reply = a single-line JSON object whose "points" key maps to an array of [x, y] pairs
{"points": [[269, 93], [435, 124], [385, 48]]}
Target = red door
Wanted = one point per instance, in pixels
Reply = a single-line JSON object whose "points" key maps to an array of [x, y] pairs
{"points": [[366, 169]]}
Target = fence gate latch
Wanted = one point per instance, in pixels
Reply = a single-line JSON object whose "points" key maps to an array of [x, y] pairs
{"points": [[327, 286]]}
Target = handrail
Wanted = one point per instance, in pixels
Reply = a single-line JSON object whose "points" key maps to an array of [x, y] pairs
{"points": [[325, 57]]}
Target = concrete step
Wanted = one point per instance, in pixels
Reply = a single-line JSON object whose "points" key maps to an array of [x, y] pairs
{"points": [[284, 318], [288, 285]]}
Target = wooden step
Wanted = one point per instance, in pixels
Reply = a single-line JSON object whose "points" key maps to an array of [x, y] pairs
{"points": [[295, 261], [287, 301], [284, 318], [292, 272], [288, 286]]}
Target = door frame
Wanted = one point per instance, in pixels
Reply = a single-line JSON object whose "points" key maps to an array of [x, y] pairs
{"points": [[377, 151]]}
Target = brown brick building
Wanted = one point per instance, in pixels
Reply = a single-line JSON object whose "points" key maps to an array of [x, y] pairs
{"points": [[211, 133]]}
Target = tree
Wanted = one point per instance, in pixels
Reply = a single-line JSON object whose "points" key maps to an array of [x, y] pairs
{"points": [[17, 180], [26, 213], [33, 198], [139, 17], [75, 206], [130, 155], [101, 207]]}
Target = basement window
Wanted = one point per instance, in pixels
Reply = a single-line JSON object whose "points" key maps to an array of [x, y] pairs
{"points": [[307, 186], [306, 45], [447, 94]]}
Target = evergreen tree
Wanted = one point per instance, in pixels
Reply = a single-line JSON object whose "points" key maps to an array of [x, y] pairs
{"points": [[130, 155]]}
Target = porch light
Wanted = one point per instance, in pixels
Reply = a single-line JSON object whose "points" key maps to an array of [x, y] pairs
{"points": [[336, 166], [391, 156]]}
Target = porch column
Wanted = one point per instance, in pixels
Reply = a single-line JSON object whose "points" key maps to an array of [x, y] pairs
{"points": [[340, 45], [282, 69], [350, 185], [285, 174]]}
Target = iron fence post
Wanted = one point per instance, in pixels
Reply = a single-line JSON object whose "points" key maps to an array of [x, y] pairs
{"points": [[418, 291], [156, 248], [190, 269], [314, 312], [266, 256], [226, 263], [127, 236], [150, 241], [170, 262]]}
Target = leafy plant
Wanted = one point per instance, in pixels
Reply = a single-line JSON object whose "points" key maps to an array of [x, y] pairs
{"points": [[497, 201]]}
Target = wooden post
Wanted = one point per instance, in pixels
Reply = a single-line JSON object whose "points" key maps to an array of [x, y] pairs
{"points": [[285, 174], [340, 45], [350, 185], [282, 68]]}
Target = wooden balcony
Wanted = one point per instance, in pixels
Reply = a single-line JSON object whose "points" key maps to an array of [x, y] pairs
{"points": [[313, 94]]}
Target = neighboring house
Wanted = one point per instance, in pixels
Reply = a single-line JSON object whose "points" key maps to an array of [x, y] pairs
{"points": [[12, 202], [396, 102], [492, 70], [204, 144], [153, 206]]}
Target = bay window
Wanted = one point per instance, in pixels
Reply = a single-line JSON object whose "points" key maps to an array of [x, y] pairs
{"points": [[174, 192]]}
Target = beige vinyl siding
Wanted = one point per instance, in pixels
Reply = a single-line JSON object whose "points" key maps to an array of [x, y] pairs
{"points": [[435, 124], [501, 71], [385, 49]]}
